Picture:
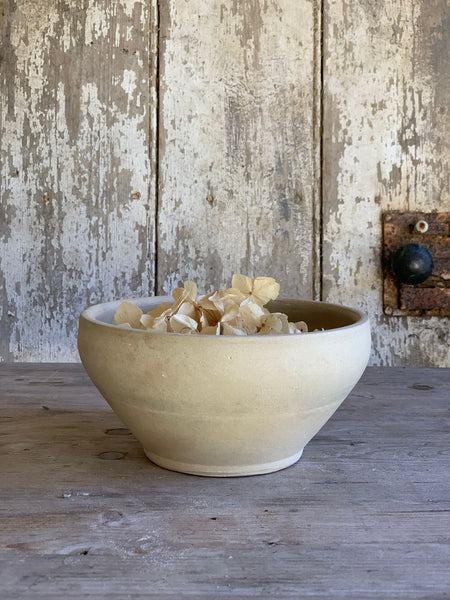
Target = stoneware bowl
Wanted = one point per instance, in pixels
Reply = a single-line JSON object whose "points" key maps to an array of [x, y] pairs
{"points": [[226, 405]]}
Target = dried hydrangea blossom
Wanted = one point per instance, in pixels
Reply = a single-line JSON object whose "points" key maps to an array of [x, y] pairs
{"points": [[301, 326], [127, 313], [238, 310], [183, 324], [186, 294], [259, 289], [167, 316], [275, 323], [250, 317]]}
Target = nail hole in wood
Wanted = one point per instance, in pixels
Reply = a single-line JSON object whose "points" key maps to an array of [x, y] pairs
{"points": [[421, 386], [111, 455], [118, 431]]}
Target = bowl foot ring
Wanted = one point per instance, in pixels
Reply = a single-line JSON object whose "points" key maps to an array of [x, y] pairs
{"points": [[223, 471]]}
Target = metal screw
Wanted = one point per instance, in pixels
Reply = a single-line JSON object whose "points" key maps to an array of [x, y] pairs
{"points": [[209, 199], [421, 227]]}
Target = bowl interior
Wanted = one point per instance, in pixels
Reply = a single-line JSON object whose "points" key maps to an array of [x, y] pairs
{"points": [[104, 313], [317, 315]]}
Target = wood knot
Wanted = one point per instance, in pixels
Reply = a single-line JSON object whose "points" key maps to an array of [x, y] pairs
{"points": [[111, 516], [46, 198]]}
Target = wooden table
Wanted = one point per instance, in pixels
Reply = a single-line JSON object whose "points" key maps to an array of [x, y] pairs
{"points": [[364, 514]]}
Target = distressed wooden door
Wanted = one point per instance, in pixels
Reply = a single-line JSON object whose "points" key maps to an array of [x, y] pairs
{"points": [[77, 181], [386, 146], [102, 200], [143, 143], [239, 142]]}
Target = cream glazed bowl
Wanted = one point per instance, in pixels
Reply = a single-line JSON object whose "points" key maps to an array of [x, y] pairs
{"points": [[226, 405]]}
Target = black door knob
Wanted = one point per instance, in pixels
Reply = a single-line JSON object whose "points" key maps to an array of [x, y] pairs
{"points": [[412, 263]]}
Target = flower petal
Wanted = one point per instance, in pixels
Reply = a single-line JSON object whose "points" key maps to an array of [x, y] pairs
{"points": [[189, 309], [274, 323], [177, 294], [205, 301], [160, 309], [211, 330], [183, 324], [191, 290], [180, 295], [242, 283], [252, 315], [302, 326], [265, 289], [208, 318], [228, 329], [127, 313], [161, 324], [147, 321]]}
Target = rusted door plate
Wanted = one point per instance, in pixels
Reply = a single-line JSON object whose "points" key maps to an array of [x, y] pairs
{"points": [[431, 230]]}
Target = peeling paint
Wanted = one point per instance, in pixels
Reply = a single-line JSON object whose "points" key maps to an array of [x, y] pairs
{"points": [[383, 150], [236, 103], [239, 155], [78, 138]]}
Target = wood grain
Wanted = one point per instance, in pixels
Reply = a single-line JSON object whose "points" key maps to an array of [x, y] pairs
{"points": [[237, 142], [77, 184], [364, 515], [385, 146]]}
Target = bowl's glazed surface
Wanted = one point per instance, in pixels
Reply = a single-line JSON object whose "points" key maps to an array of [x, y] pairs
{"points": [[226, 405]]}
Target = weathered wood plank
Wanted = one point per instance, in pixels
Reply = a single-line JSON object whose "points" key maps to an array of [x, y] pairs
{"points": [[365, 514], [386, 122], [238, 142], [76, 183], [240, 126]]}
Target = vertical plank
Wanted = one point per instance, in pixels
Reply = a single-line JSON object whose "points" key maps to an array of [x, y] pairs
{"points": [[385, 123], [237, 142], [77, 197]]}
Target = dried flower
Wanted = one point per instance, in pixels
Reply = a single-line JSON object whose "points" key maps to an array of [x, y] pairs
{"points": [[260, 289], [127, 313], [238, 310]]}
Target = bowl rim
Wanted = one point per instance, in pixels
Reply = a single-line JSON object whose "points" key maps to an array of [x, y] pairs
{"points": [[94, 308]]}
